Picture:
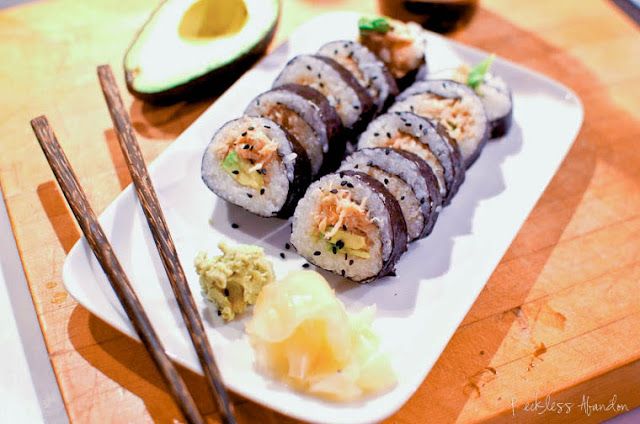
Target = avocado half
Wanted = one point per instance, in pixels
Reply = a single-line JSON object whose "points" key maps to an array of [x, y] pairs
{"points": [[192, 48]]}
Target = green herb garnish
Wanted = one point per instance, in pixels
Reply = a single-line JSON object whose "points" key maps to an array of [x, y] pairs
{"points": [[231, 161], [380, 25], [478, 72]]}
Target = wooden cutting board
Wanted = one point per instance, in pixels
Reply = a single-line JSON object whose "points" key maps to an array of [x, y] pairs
{"points": [[559, 320]]}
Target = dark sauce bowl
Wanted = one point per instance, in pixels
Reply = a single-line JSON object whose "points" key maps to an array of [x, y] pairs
{"points": [[436, 15]]}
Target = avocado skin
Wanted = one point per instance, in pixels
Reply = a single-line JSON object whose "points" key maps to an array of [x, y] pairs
{"points": [[212, 83]]}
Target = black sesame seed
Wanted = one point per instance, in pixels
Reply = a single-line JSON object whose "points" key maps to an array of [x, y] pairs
{"points": [[375, 134], [343, 183], [386, 181], [374, 78], [251, 147], [251, 128], [244, 134], [339, 244], [334, 250], [235, 172], [355, 167], [308, 67], [370, 163], [226, 292], [356, 107], [388, 135], [345, 256], [287, 246], [346, 45], [411, 108], [334, 191], [305, 265], [259, 171], [402, 198], [249, 195], [267, 127], [261, 191], [317, 253], [349, 185], [282, 255], [420, 126], [264, 171], [234, 225], [319, 75], [343, 272], [344, 227], [351, 262], [387, 151], [321, 85], [407, 124], [341, 174], [246, 146], [422, 201], [335, 51], [219, 312]]}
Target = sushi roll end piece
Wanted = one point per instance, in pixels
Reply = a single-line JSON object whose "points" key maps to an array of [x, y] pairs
{"points": [[408, 178], [307, 115], [455, 106], [350, 224], [400, 45], [255, 164]]}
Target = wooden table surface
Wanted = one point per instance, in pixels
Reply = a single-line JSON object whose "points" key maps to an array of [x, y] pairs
{"points": [[560, 315]]}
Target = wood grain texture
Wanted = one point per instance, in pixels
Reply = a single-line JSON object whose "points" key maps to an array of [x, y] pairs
{"points": [[559, 316], [91, 228], [164, 242]]}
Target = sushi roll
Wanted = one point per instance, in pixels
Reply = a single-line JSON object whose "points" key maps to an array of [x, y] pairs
{"points": [[348, 223], [493, 91], [307, 115], [254, 163], [352, 101], [400, 45], [455, 106], [370, 72], [424, 138], [408, 178]]}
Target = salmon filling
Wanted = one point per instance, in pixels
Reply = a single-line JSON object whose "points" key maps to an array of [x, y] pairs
{"points": [[247, 157], [344, 223], [454, 114], [288, 119]]}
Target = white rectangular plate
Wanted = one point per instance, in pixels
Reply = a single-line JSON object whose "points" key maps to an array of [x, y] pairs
{"points": [[438, 278]]}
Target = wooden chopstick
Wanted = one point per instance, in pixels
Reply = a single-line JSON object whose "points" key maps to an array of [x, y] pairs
{"points": [[103, 251], [164, 242]]}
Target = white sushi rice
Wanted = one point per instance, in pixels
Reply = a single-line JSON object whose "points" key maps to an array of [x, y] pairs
{"points": [[315, 73], [280, 170], [307, 241]]}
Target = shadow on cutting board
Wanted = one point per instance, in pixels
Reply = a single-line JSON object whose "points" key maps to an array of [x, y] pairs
{"points": [[455, 388]]}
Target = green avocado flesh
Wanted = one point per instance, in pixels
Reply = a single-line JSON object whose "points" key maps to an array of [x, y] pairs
{"points": [[349, 243], [238, 168], [187, 42]]}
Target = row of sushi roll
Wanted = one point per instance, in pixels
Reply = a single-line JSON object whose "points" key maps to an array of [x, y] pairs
{"points": [[407, 150]]}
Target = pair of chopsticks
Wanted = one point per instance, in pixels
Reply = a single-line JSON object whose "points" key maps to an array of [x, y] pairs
{"points": [[103, 251]]}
